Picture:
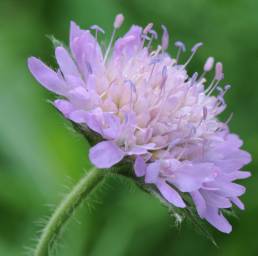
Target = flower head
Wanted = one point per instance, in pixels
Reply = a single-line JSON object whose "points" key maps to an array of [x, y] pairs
{"points": [[145, 106]]}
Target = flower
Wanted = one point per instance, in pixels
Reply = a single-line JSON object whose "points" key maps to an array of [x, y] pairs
{"points": [[145, 106]]}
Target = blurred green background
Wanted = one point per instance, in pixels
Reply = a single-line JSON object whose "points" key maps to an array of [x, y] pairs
{"points": [[40, 157]]}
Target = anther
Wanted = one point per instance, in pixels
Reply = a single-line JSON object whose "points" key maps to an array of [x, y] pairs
{"points": [[181, 48], [97, 29], [196, 47], [219, 71], [227, 87], [165, 38], [154, 35], [164, 76], [155, 60], [164, 72], [204, 112], [219, 75], [208, 64], [180, 45], [118, 21], [147, 29]]}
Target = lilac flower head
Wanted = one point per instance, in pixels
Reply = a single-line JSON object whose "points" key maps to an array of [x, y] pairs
{"points": [[145, 107]]}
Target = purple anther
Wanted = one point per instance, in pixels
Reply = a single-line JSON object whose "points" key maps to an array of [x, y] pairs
{"points": [[165, 38], [196, 47]]}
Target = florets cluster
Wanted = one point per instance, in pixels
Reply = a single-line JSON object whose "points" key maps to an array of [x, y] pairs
{"points": [[145, 106]]}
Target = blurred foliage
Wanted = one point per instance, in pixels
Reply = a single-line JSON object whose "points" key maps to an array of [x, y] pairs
{"points": [[40, 157]]}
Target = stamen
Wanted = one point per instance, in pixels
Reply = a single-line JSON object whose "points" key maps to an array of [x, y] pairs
{"points": [[154, 35], [196, 47], [155, 60], [145, 37], [118, 21], [133, 90], [181, 48], [165, 72], [193, 50], [164, 77], [193, 79], [165, 38], [213, 87], [229, 118], [208, 64], [145, 32], [156, 52], [222, 92], [180, 45], [117, 24], [219, 71], [218, 77], [147, 28], [227, 87], [97, 30], [193, 131], [205, 112], [174, 143], [221, 100], [207, 67], [152, 70], [180, 155], [210, 86]]}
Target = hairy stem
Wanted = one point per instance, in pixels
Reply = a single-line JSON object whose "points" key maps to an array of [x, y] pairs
{"points": [[66, 208]]}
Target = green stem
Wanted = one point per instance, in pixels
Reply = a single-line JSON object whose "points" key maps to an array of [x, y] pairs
{"points": [[64, 211]]}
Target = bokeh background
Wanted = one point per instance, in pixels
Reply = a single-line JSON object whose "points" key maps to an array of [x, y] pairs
{"points": [[41, 157]]}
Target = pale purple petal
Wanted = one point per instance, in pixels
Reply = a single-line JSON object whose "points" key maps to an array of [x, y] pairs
{"points": [[189, 178], [139, 166], [216, 200], [238, 202], [46, 76], [112, 126], [106, 154], [137, 150], [88, 55], [64, 106], [91, 82], [128, 44], [217, 220], [74, 81], [152, 172], [75, 31], [78, 116], [65, 62], [231, 189], [170, 194], [93, 123], [199, 202]]}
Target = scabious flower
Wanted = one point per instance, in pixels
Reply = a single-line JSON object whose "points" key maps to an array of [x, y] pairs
{"points": [[147, 108]]}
